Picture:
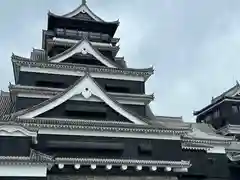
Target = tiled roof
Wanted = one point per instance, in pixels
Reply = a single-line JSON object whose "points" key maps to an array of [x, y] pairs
{"points": [[206, 133], [6, 104], [229, 93], [37, 157]]}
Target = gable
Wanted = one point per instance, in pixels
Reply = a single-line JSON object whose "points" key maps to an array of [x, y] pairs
{"points": [[83, 16], [83, 12], [86, 87], [83, 47], [85, 110], [84, 60]]}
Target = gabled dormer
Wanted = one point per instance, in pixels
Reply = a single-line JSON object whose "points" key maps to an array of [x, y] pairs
{"points": [[88, 88]]}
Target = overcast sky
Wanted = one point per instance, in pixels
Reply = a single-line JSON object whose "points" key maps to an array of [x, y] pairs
{"points": [[194, 45]]}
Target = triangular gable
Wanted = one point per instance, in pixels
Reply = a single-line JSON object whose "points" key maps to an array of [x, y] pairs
{"points": [[83, 8], [84, 47], [85, 86]]}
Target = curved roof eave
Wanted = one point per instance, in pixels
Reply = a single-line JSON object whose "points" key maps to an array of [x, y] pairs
{"points": [[83, 8]]}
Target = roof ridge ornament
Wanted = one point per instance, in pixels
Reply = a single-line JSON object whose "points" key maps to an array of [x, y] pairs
{"points": [[237, 83], [84, 2]]}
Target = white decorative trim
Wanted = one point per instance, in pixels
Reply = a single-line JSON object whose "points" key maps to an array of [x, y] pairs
{"points": [[76, 41], [217, 150], [167, 169], [80, 98], [80, 74], [83, 47], [60, 166], [86, 83], [73, 132], [233, 157], [124, 167], [108, 167], [23, 170], [77, 166], [93, 166], [16, 131], [138, 168], [180, 170], [153, 168]]}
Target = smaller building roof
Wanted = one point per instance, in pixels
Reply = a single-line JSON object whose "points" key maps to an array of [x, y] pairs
{"points": [[233, 91], [206, 133], [231, 94]]}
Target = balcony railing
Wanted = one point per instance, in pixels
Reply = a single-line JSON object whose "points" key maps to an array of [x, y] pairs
{"points": [[80, 34]]}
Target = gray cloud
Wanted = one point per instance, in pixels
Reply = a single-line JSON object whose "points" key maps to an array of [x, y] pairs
{"points": [[193, 45]]}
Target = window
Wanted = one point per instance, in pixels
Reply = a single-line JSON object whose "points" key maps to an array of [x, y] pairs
{"points": [[86, 112], [115, 88], [216, 114], [71, 32], [235, 109], [50, 84]]}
